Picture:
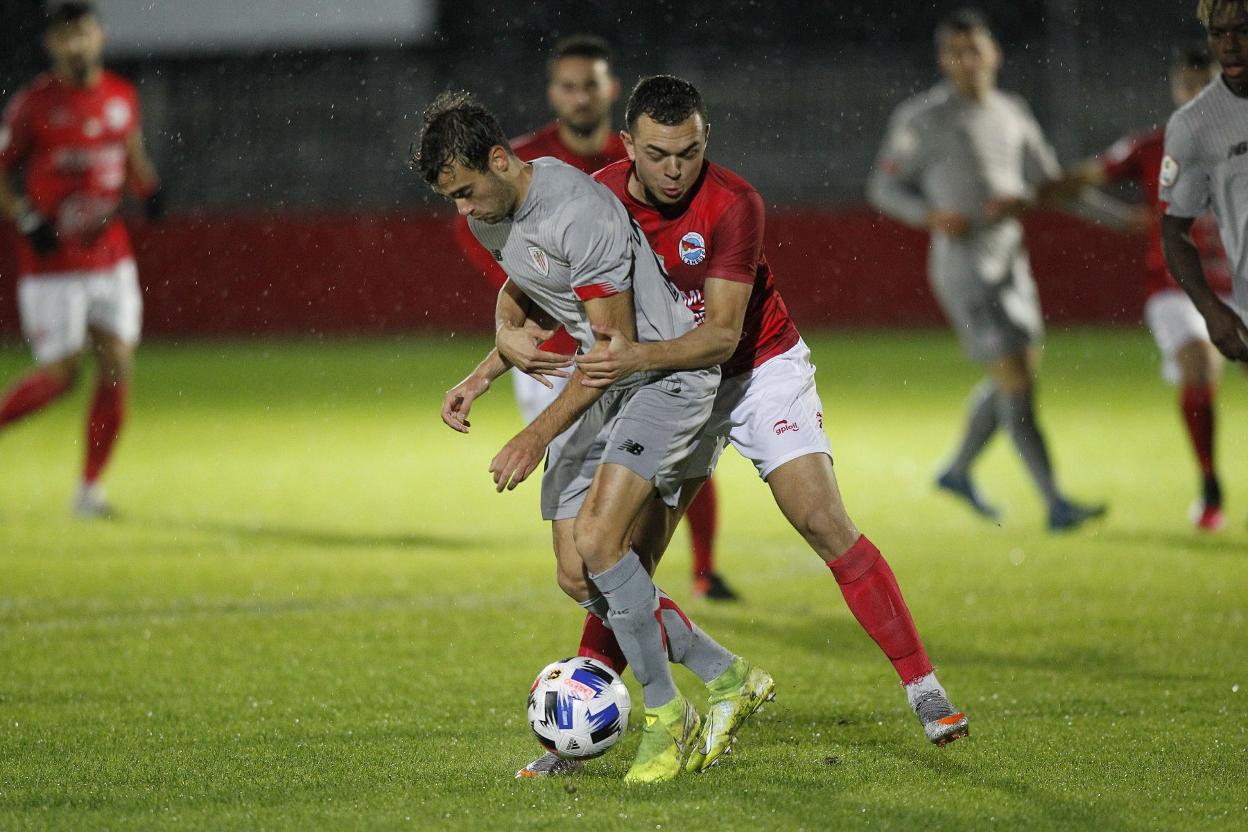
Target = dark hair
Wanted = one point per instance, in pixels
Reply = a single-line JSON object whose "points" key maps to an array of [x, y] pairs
{"points": [[580, 46], [455, 128], [69, 11], [962, 22], [666, 99], [1191, 56]]}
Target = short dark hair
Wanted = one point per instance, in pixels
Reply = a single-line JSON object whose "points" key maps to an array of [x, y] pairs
{"points": [[1191, 56], [666, 99], [964, 21], [580, 46], [68, 11], [455, 128]]}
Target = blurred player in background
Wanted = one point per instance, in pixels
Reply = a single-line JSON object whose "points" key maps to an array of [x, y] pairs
{"points": [[582, 90], [962, 160], [1189, 358], [74, 134], [571, 250], [1206, 165], [706, 224]]}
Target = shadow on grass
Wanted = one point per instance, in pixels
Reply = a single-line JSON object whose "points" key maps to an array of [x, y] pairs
{"points": [[306, 537], [1229, 542]]}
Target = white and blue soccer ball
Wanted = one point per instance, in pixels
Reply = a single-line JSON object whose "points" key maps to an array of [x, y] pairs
{"points": [[578, 707]]}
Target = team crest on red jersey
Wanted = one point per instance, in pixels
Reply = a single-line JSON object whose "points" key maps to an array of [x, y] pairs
{"points": [[692, 248], [540, 261]]}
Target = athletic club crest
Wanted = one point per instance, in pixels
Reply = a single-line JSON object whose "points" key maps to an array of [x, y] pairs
{"points": [[692, 248], [540, 261]]}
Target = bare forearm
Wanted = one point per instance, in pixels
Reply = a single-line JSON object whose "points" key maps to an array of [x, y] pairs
{"points": [[704, 346], [491, 367], [1183, 260], [573, 400]]}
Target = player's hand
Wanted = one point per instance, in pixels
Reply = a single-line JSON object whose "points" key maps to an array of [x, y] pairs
{"points": [[39, 232], [950, 223], [458, 401], [1228, 332], [997, 209], [610, 360], [521, 346], [518, 458]]}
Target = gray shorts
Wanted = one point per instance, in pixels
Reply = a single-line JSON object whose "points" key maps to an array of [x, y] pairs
{"points": [[992, 320], [649, 428]]}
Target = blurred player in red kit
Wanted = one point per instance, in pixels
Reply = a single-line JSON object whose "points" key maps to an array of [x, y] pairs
{"points": [[74, 135], [1189, 358], [581, 91]]}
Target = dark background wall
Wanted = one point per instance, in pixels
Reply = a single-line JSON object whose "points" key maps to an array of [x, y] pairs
{"points": [[799, 94]]}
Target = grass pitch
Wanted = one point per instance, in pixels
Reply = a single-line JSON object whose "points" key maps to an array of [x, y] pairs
{"points": [[316, 613]]}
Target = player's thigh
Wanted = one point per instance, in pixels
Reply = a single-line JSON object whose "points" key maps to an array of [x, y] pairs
{"points": [[993, 321], [609, 514], [115, 303], [1181, 334], [53, 313], [807, 493]]}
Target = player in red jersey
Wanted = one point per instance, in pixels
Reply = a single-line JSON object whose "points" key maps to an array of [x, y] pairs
{"points": [[706, 225], [75, 133], [582, 90], [1189, 357]]}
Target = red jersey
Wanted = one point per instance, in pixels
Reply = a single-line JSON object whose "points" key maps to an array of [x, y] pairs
{"points": [[72, 143], [718, 234], [1138, 158], [542, 142]]}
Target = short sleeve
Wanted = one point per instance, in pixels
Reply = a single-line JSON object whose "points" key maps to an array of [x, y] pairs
{"points": [[597, 243], [1122, 161], [1184, 178], [15, 132], [736, 243]]}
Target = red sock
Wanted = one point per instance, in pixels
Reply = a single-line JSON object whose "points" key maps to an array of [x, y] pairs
{"points": [[598, 642], [29, 394], [701, 514], [108, 411], [873, 597], [1197, 405]]}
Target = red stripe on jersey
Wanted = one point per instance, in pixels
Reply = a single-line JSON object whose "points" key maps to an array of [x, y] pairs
{"points": [[595, 290]]}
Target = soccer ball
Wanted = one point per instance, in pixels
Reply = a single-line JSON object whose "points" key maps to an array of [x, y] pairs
{"points": [[578, 707]]}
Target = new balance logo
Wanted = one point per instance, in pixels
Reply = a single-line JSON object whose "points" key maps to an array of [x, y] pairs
{"points": [[629, 446], [1237, 150]]}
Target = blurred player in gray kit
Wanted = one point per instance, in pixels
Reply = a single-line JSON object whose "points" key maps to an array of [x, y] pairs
{"points": [[963, 160]]}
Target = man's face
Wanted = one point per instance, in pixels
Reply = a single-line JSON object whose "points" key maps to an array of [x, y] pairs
{"points": [[969, 60], [1186, 83], [1228, 40], [581, 92], [76, 47], [481, 194], [667, 158]]}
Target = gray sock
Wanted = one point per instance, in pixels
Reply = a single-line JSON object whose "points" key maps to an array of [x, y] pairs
{"points": [[633, 600], [689, 645], [598, 606], [981, 424], [1017, 414]]}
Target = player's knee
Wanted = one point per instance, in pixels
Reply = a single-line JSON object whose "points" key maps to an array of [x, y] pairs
{"points": [[594, 542], [66, 369]]}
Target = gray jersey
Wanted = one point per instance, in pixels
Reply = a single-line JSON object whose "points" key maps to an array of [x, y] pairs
{"points": [[1206, 164], [570, 241], [945, 152]]}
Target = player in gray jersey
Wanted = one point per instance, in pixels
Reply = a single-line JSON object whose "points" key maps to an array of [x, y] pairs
{"points": [[963, 160], [1206, 164], [571, 252]]}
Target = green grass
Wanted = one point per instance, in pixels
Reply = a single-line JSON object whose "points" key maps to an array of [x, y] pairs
{"points": [[316, 613]]}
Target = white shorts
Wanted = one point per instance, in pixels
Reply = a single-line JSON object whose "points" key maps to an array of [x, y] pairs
{"points": [[771, 415], [532, 397], [1174, 321], [57, 309]]}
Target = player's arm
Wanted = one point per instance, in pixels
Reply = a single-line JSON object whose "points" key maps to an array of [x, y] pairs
{"points": [[141, 177], [15, 141], [521, 456], [518, 336]]}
